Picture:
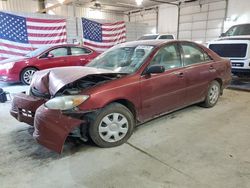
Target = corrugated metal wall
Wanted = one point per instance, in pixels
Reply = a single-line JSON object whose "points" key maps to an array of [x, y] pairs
{"points": [[69, 11], [19, 5], [148, 17], [136, 30], [202, 22]]}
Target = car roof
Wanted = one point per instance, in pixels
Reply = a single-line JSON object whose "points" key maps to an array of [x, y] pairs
{"points": [[241, 24], [70, 45], [66, 45], [149, 42]]}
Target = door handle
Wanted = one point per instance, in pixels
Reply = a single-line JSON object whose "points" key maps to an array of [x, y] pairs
{"points": [[211, 67], [179, 74]]}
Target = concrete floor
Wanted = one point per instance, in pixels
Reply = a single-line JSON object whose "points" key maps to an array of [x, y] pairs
{"points": [[191, 148]]}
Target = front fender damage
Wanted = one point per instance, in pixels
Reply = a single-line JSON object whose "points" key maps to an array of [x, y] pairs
{"points": [[52, 127]]}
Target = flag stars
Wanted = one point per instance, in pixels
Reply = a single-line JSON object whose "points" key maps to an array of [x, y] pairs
{"points": [[92, 30], [13, 28]]}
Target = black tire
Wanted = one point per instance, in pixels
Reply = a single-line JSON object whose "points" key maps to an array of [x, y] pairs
{"points": [[208, 102], [97, 122], [24, 79]]}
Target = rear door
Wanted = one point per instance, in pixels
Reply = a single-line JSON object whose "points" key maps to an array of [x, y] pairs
{"points": [[199, 71], [166, 91], [80, 56], [56, 57]]}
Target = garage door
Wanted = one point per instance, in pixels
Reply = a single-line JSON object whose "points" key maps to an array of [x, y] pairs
{"points": [[202, 22]]}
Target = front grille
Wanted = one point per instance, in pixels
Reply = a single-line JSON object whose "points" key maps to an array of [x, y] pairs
{"points": [[229, 50], [237, 64]]}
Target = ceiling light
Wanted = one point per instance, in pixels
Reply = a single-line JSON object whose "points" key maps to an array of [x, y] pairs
{"points": [[139, 2]]}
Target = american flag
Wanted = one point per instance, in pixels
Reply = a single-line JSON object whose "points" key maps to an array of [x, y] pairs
{"points": [[20, 35], [103, 36]]}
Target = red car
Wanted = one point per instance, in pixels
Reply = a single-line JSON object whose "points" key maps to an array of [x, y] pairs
{"points": [[22, 69], [125, 86]]}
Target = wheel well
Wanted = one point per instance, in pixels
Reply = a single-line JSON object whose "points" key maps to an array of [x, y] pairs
{"points": [[128, 104], [26, 68], [220, 82]]}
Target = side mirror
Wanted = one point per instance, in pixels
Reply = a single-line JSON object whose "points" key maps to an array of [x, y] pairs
{"points": [[155, 69], [223, 35], [50, 56]]}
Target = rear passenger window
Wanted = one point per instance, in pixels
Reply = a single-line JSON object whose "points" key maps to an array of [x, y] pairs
{"points": [[168, 56], [79, 51], [166, 37], [193, 54], [59, 52]]}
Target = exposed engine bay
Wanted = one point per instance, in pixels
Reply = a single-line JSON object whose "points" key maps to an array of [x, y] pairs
{"points": [[79, 85], [76, 87]]}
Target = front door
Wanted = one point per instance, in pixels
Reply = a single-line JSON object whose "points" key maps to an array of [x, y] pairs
{"points": [[166, 91], [57, 57]]}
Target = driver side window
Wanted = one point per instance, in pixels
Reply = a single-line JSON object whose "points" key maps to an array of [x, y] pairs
{"points": [[168, 56]]}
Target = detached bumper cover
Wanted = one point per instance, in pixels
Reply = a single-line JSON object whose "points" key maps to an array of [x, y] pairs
{"points": [[51, 126]]}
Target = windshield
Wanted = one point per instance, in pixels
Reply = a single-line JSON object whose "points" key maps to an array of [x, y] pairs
{"points": [[239, 30], [37, 51], [122, 59], [148, 37]]}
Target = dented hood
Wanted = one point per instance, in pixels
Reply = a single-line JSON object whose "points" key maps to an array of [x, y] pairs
{"points": [[50, 81]]}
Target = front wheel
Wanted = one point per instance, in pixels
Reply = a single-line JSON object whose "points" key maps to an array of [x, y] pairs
{"points": [[27, 74], [112, 126], [213, 94]]}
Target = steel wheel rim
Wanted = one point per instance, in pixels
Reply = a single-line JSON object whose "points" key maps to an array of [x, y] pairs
{"points": [[27, 76], [113, 127], [213, 94]]}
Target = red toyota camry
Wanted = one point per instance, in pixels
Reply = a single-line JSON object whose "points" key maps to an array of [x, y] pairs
{"points": [[127, 85], [22, 69]]}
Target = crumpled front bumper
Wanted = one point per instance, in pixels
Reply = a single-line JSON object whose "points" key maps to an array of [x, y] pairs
{"points": [[51, 126], [24, 107]]}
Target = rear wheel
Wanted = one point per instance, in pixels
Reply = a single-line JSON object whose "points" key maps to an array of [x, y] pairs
{"points": [[213, 94], [112, 126], [27, 74]]}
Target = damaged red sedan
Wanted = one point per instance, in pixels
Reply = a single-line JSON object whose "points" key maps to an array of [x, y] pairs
{"points": [[127, 85]]}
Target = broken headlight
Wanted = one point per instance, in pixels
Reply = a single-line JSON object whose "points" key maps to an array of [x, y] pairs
{"points": [[66, 102]]}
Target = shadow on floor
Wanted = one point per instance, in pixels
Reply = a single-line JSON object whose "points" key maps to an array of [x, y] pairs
{"points": [[23, 142], [240, 83]]}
